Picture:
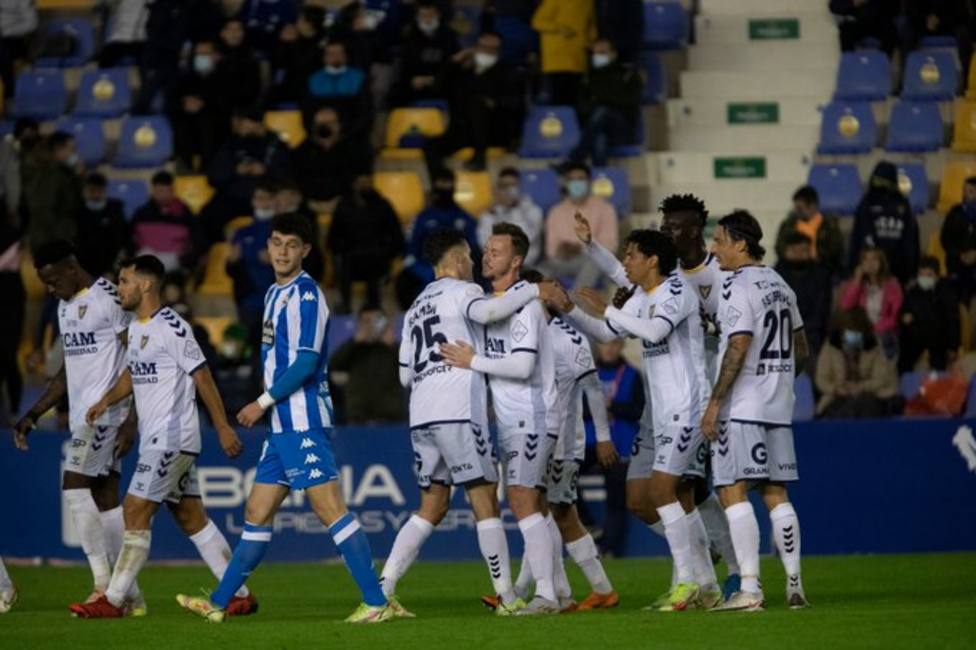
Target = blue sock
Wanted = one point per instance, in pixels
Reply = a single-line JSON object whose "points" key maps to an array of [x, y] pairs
{"points": [[354, 547], [248, 554]]}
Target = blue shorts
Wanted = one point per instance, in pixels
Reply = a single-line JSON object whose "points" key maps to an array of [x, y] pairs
{"points": [[298, 460]]}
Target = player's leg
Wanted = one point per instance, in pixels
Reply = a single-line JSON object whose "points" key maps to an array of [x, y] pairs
{"points": [[493, 543], [583, 550], [8, 593], [717, 531], [138, 513], [786, 524], [433, 506], [664, 496], [701, 558], [105, 490], [561, 479]]}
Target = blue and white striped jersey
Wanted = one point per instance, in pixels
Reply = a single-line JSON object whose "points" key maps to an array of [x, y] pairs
{"points": [[296, 319]]}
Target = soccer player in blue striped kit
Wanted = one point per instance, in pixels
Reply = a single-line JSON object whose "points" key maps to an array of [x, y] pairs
{"points": [[297, 453]]}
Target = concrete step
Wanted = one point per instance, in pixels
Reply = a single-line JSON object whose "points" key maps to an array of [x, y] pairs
{"points": [[764, 55], [751, 194], [752, 138], [676, 168], [768, 84], [751, 7], [696, 111], [782, 26]]}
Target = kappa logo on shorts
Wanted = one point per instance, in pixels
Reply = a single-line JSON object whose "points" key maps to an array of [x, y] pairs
{"points": [[758, 453], [307, 443], [311, 458], [315, 473]]}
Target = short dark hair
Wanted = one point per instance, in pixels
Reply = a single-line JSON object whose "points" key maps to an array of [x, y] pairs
{"points": [[162, 178], [337, 42], [266, 185], [531, 275], [53, 252], [289, 185], [146, 265], [293, 223], [24, 124], [437, 243], [96, 179], [742, 226], [576, 165], [520, 241], [685, 203], [510, 171], [931, 263], [971, 180], [654, 242], [59, 139], [807, 194]]}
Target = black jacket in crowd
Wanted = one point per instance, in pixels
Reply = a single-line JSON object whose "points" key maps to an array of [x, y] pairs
{"points": [[884, 220], [811, 282]]}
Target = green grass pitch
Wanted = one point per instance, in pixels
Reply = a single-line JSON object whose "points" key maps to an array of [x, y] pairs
{"points": [[917, 601]]}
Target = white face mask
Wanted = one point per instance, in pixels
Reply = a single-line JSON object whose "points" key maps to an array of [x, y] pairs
{"points": [[428, 27], [263, 214], [335, 69], [601, 60], [483, 60], [926, 282]]}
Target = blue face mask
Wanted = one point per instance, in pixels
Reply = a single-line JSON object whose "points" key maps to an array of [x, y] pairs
{"points": [[853, 340], [577, 188], [203, 63]]}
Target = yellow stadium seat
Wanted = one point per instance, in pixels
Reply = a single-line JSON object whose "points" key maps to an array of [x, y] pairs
{"points": [[52, 5], [971, 83], [194, 190], [950, 189], [935, 249], [236, 224], [466, 154], [964, 129], [403, 190], [33, 286], [472, 192], [325, 222], [216, 282], [288, 125], [215, 326], [428, 122]]}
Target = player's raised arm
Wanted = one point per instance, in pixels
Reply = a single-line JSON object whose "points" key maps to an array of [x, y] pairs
{"points": [[483, 310], [605, 260], [121, 390], [56, 389]]}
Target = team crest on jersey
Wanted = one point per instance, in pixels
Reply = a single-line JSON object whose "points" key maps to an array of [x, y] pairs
{"points": [[519, 331], [143, 341], [583, 357], [671, 306], [732, 316], [82, 310], [705, 290]]}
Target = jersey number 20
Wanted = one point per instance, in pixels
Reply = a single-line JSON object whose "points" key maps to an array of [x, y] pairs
{"points": [[425, 338], [779, 335]]}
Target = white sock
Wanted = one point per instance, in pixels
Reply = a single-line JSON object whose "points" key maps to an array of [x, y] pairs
{"points": [[658, 528], [494, 548], [113, 523], [135, 552], [405, 549], [745, 538], [84, 512], [786, 534], [701, 559], [538, 550], [524, 581], [563, 590], [717, 527], [676, 531], [215, 551], [587, 558], [6, 584]]}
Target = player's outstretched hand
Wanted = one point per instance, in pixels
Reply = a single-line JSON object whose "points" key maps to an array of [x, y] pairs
{"points": [[709, 423], [250, 414], [229, 441], [622, 295], [457, 354], [591, 301], [95, 412], [606, 454], [553, 294], [21, 430], [582, 228]]}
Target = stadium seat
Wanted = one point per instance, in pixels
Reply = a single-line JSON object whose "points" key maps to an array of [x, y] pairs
{"points": [[466, 22], [964, 127], [288, 125], [144, 142], [40, 94], [89, 138], [133, 192], [407, 128], [847, 128], [549, 132], [839, 187], [542, 185], [78, 28], [216, 282], [655, 78], [915, 127], [971, 82], [665, 25], [930, 76], [236, 224], [635, 147], [472, 191], [194, 190], [215, 326], [971, 401], [403, 190], [910, 383], [954, 175], [103, 93], [864, 75], [612, 184], [804, 408], [913, 183], [934, 248]]}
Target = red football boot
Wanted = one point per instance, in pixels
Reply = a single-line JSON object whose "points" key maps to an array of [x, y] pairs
{"points": [[100, 608]]}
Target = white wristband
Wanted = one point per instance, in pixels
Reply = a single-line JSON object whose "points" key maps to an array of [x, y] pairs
{"points": [[265, 400]]}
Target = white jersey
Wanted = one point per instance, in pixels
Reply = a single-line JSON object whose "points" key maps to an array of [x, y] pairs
{"points": [[574, 361], [705, 279], [755, 300], [440, 393], [524, 405], [162, 355], [674, 368], [94, 357]]}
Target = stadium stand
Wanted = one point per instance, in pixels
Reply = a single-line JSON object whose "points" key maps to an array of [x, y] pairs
{"points": [[103, 93], [144, 142], [40, 94], [914, 127], [847, 128], [864, 75], [839, 187]]}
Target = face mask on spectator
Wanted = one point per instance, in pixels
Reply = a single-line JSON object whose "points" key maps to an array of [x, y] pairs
{"points": [[96, 205], [428, 26], [513, 192], [853, 340], [203, 63], [335, 69], [926, 282], [578, 188], [369, 21], [483, 60], [601, 60], [71, 160], [263, 214]]}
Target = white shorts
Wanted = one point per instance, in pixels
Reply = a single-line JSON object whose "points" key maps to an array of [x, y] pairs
{"points": [[526, 457], [453, 453], [562, 480], [679, 451], [165, 476], [92, 451], [753, 452]]}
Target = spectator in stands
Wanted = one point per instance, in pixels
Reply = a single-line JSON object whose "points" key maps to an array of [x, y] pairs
{"points": [[926, 18], [103, 232], [564, 253], [297, 55], [878, 293], [264, 20], [566, 28], [929, 320], [609, 105], [427, 48], [854, 377], [959, 242], [18, 21], [238, 63], [14, 147], [248, 263], [486, 104], [368, 50], [622, 23], [329, 159], [342, 87], [511, 20], [13, 301], [365, 237], [166, 228], [858, 20], [821, 230], [125, 32], [199, 106], [810, 281], [884, 220], [512, 206], [52, 190], [368, 366]]}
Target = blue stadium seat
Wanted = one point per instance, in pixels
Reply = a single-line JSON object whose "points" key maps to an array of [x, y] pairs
{"points": [[938, 43], [6, 128], [133, 192], [655, 78], [81, 30], [467, 23], [40, 94], [665, 25], [439, 104], [864, 75], [913, 182], [549, 132], [971, 401], [910, 383], [144, 142], [612, 184], [634, 148], [103, 93], [930, 76], [804, 408], [89, 138], [542, 185], [839, 187], [914, 126], [847, 128]]}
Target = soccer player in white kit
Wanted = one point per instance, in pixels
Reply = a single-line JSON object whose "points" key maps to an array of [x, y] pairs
{"points": [[750, 411], [92, 325], [8, 592], [166, 369], [448, 413], [519, 364]]}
